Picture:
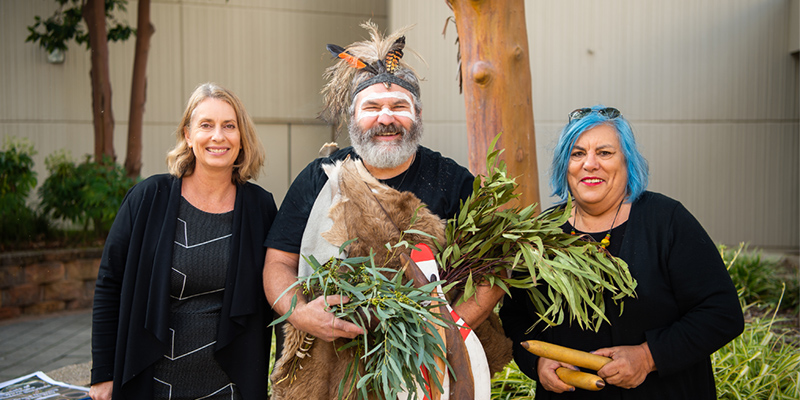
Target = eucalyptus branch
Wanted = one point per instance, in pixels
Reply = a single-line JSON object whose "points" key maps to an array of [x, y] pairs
{"points": [[488, 238], [399, 321]]}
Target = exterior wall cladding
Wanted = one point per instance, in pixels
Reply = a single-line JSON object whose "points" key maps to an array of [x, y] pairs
{"points": [[711, 88]]}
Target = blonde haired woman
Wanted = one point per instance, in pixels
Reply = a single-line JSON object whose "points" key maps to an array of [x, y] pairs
{"points": [[178, 305]]}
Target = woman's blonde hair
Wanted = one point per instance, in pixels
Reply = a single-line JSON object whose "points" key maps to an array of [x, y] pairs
{"points": [[181, 160]]}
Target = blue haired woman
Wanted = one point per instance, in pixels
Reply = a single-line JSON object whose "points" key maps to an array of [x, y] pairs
{"points": [[686, 306]]}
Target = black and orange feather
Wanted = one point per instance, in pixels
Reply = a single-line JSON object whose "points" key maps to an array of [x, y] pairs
{"points": [[353, 61], [395, 53]]}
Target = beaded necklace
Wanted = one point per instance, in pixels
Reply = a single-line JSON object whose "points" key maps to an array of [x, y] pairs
{"points": [[606, 240]]}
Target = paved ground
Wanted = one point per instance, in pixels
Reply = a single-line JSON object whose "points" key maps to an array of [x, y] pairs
{"points": [[53, 344]]}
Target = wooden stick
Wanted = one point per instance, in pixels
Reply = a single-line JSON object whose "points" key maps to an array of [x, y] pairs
{"points": [[565, 354]]}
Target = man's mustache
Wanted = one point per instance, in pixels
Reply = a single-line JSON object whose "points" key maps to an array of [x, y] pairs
{"points": [[386, 129]]}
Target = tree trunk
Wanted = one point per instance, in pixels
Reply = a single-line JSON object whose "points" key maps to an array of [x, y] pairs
{"points": [[144, 31], [496, 73], [95, 16]]}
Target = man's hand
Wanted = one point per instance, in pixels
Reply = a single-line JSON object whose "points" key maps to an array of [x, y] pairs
{"points": [[475, 310], [548, 378], [101, 391], [314, 318], [629, 367], [280, 272]]}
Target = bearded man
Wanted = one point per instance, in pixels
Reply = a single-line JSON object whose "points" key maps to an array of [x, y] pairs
{"points": [[381, 102]]}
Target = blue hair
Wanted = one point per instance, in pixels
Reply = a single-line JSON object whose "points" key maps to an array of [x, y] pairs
{"points": [[638, 171]]}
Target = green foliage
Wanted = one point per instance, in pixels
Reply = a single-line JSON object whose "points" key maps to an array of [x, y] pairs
{"points": [[512, 384], [67, 24], [398, 319], [17, 177], [85, 193], [762, 279], [758, 364], [487, 238]]}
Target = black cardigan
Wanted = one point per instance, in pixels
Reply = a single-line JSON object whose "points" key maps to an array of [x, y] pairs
{"points": [[686, 309], [130, 328]]}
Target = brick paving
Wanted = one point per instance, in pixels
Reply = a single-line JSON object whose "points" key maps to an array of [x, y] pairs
{"points": [[45, 343]]}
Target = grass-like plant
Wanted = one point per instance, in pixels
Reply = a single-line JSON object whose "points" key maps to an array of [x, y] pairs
{"points": [[758, 364]]}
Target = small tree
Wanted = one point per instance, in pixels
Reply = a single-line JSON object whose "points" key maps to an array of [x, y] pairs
{"points": [[65, 25]]}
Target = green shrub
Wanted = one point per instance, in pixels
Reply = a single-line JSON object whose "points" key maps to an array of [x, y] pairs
{"points": [[17, 177], [87, 194], [762, 279], [512, 384]]}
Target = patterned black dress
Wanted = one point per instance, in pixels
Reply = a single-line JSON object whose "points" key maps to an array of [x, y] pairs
{"points": [[201, 257]]}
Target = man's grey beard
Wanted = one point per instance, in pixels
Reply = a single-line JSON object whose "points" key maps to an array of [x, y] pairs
{"points": [[385, 155]]}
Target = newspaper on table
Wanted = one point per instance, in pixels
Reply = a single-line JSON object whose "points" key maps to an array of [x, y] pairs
{"points": [[40, 386]]}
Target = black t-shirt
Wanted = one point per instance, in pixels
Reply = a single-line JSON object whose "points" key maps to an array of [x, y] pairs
{"points": [[436, 180]]}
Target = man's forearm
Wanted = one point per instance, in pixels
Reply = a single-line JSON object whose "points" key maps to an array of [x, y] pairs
{"points": [[280, 272]]}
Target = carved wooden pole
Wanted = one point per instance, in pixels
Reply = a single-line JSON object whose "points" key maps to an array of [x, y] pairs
{"points": [[496, 73]]}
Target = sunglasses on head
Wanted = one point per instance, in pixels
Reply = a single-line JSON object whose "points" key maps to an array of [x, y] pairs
{"points": [[608, 112]]}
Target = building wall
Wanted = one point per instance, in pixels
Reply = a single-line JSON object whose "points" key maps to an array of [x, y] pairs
{"points": [[711, 89], [269, 52]]}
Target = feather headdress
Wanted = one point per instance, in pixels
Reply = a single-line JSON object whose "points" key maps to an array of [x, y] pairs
{"points": [[363, 64]]}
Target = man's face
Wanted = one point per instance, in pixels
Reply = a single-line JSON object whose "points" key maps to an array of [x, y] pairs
{"points": [[385, 129]]}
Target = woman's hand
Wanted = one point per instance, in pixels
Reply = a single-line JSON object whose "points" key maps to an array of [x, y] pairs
{"points": [[629, 366], [101, 391], [548, 378]]}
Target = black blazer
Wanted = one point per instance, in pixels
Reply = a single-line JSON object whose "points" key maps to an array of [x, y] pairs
{"points": [[130, 328]]}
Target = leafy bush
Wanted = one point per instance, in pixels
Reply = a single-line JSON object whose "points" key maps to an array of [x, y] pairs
{"points": [[512, 384], [87, 194], [762, 279], [17, 177]]}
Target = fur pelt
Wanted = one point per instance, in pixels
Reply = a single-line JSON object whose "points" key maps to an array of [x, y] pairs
{"points": [[375, 214]]}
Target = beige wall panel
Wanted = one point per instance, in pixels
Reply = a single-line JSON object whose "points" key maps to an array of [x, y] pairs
{"points": [[275, 175], [157, 140], [377, 7], [439, 70], [34, 90], [717, 60], [273, 58], [737, 179], [306, 140], [448, 138]]}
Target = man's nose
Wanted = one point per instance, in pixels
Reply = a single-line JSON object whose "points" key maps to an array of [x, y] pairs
{"points": [[385, 117]]}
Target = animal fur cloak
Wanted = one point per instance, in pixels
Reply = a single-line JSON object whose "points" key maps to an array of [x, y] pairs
{"points": [[353, 204]]}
